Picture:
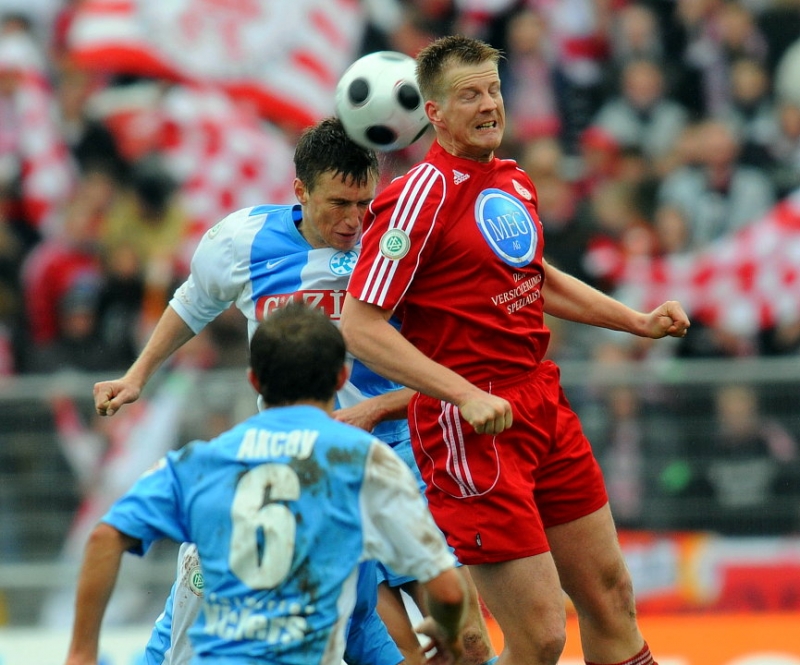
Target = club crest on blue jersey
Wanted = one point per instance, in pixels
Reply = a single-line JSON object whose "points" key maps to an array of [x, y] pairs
{"points": [[196, 581], [507, 227], [342, 263]]}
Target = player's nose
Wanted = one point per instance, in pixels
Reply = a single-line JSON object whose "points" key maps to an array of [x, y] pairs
{"points": [[354, 217]]}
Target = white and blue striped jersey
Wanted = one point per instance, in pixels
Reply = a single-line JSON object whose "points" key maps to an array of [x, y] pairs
{"points": [[257, 259], [282, 509]]}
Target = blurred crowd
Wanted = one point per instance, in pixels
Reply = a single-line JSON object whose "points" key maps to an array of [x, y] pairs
{"points": [[650, 127]]}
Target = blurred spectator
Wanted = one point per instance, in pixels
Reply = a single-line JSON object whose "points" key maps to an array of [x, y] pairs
{"points": [[59, 262], [147, 224], [718, 34], [740, 468], [148, 217], [599, 160], [542, 158], [751, 112], [91, 143], [719, 195], [635, 36], [787, 75], [413, 24], [580, 30], [567, 227], [785, 150], [621, 234], [636, 170], [121, 303], [77, 344], [672, 230], [779, 22], [528, 90], [10, 300], [641, 115], [636, 439]]}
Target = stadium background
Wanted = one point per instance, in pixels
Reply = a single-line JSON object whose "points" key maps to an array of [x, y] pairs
{"points": [[127, 128]]}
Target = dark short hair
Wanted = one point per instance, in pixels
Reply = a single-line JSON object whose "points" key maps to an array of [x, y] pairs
{"points": [[297, 354], [445, 51], [326, 147]]}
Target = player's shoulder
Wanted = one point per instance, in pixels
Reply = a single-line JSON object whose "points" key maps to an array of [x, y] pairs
{"points": [[245, 221], [421, 180], [516, 180]]}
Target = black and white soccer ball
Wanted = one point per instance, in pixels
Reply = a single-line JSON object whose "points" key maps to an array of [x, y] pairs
{"points": [[379, 103]]}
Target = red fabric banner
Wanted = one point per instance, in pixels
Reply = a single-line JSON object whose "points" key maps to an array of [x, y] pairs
{"points": [[285, 57], [742, 283]]}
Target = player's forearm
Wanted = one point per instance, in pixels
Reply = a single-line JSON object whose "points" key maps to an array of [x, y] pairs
{"points": [[392, 405], [370, 412], [446, 603], [95, 584], [567, 297], [170, 334]]}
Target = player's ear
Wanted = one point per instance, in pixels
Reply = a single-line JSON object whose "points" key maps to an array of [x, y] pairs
{"points": [[253, 380], [432, 111], [342, 378], [300, 191]]}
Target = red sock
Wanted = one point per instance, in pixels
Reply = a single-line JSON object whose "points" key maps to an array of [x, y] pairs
{"points": [[644, 657]]}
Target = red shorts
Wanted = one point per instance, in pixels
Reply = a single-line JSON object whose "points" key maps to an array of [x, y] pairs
{"points": [[493, 496]]}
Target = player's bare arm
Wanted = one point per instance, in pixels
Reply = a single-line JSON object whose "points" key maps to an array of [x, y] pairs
{"points": [[374, 410], [96, 581], [445, 620], [372, 339], [567, 297], [169, 335]]}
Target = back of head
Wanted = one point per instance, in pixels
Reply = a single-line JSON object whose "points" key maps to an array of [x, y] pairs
{"points": [[434, 59], [326, 147], [297, 354]]}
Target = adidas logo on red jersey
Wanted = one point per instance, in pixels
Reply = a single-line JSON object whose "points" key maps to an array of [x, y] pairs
{"points": [[459, 177]]}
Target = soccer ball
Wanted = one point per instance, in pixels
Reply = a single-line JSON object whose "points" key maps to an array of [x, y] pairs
{"points": [[379, 103]]}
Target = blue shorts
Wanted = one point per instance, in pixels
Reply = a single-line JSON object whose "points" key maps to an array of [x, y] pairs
{"points": [[368, 640]]}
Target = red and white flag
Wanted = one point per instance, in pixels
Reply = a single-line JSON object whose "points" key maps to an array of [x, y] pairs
{"points": [[31, 143], [222, 155], [285, 56], [742, 283]]}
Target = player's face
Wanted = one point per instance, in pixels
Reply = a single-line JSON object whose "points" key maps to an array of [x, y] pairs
{"points": [[333, 212], [470, 120]]}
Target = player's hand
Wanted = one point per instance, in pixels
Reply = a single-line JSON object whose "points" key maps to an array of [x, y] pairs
{"points": [[361, 415], [109, 396], [668, 319], [440, 650], [487, 413]]}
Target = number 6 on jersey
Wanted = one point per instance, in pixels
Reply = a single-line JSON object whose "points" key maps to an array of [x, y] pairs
{"points": [[263, 533]]}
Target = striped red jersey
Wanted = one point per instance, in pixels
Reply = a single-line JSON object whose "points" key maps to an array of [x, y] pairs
{"points": [[456, 245]]}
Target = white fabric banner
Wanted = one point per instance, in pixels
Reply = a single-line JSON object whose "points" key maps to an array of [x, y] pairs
{"points": [[285, 56]]}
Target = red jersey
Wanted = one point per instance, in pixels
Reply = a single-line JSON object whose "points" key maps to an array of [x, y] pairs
{"points": [[456, 245]]}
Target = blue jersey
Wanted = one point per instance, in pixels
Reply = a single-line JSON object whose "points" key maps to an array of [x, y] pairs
{"points": [[367, 642], [257, 259], [282, 508]]}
